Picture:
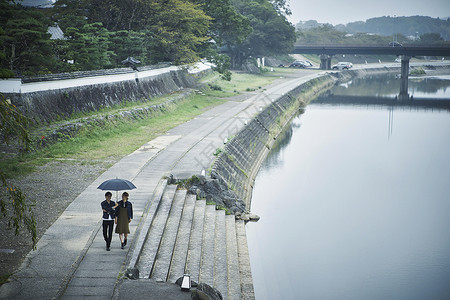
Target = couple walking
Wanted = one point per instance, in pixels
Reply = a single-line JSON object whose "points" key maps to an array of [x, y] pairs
{"points": [[121, 214]]}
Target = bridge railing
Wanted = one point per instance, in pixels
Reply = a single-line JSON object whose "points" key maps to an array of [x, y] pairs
{"points": [[407, 49]]}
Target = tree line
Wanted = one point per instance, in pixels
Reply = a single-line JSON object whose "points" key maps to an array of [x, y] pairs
{"points": [[329, 34], [102, 33], [413, 26], [382, 30]]}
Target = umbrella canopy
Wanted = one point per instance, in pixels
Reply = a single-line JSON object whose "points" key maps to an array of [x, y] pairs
{"points": [[116, 185]]}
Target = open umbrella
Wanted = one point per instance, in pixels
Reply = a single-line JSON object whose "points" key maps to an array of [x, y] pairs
{"points": [[116, 185]]}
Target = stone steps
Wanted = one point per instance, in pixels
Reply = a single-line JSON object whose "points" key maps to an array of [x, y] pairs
{"points": [[220, 255], [163, 259], [180, 251], [195, 242], [207, 260], [151, 245], [188, 236], [234, 278]]}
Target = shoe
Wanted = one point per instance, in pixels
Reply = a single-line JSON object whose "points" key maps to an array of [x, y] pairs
{"points": [[123, 245], [125, 242], [108, 249]]}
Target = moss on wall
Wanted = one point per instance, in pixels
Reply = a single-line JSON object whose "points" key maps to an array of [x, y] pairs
{"points": [[239, 163]]}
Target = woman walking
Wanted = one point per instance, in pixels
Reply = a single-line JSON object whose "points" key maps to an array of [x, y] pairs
{"points": [[124, 215]]}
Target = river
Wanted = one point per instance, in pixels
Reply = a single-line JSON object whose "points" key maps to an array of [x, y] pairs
{"points": [[355, 200]]}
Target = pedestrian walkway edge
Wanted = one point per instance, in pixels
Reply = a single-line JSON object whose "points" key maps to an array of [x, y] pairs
{"points": [[65, 282]]}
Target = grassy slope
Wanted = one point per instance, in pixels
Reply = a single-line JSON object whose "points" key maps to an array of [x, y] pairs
{"points": [[109, 144]]}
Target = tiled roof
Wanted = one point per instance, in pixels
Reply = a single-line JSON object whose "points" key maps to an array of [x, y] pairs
{"points": [[56, 32], [38, 3]]}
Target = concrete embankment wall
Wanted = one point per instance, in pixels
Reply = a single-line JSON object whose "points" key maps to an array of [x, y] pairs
{"points": [[50, 105], [239, 163]]}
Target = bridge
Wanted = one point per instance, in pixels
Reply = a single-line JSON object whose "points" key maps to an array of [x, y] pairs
{"points": [[405, 52]]}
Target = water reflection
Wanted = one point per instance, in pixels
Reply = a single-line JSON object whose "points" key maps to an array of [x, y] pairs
{"points": [[388, 86], [425, 92], [369, 101], [348, 214], [283, 140]]}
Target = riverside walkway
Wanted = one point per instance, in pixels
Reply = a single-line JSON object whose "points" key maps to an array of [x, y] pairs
{"points": [[71, 262]]}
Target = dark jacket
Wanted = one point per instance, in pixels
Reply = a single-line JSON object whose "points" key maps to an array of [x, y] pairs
{"points": [[129, 208], [109, 209]]}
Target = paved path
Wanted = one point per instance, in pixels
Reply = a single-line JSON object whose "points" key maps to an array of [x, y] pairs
{"points": [[71, 262]]}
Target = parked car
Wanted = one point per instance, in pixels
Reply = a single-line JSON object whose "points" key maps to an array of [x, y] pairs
{"points": [[307, 63], [395, 44], [343, 65], [298, 64]]}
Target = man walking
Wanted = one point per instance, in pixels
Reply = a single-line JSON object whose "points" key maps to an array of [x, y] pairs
{"points": [[108, 208]]}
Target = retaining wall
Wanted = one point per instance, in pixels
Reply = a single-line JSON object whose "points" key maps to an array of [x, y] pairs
{"points": [[46, 106], [239, 163]]}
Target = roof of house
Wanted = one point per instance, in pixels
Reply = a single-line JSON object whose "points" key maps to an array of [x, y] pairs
{"points": [[37, 3], [56, 32]]}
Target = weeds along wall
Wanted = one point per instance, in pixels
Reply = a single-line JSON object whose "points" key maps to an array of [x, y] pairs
{"points": [[242, 157], [46, 106]]}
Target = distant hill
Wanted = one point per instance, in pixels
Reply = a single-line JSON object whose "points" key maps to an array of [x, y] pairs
{"points": [[408, 26]]}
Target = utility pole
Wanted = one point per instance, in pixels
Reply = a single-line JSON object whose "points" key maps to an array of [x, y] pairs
{"points": [[394, 35]]}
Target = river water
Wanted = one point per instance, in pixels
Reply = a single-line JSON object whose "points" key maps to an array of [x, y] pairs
{"points": [[355, 201]]}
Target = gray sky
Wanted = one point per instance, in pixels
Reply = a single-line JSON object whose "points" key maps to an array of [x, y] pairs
{"points": [[345, 11]]}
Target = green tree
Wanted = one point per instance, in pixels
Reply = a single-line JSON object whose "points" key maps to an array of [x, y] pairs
{"points": [[26, 42], [118, 15], [222, 65], [60, 50], [126, 43], [89, 47], [325, 34], [408, 26], [366, 39], [431, 38], [179, 29], [228, 26], [15, 206], [161, 30], [281, 6], [272, 33], [4, 73], [69, 13]]}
